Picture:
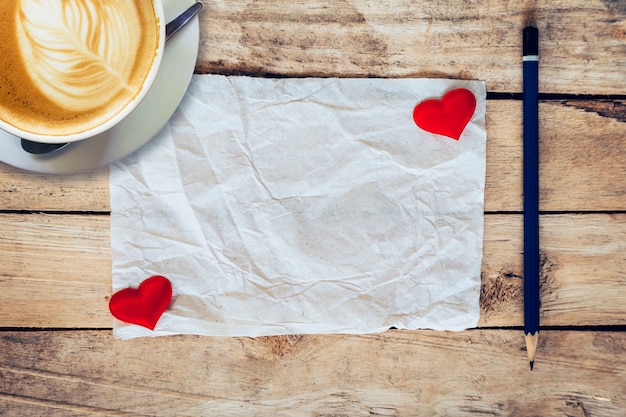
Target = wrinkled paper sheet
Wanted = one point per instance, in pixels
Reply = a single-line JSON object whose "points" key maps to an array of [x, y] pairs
{"points": [[290, 206]]}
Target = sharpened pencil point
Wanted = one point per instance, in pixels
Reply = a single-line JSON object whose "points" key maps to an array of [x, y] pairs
{"points": [[531, 347]]}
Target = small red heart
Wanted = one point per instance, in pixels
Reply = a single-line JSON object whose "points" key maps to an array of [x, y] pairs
{"points": [[448, 116], [144, 305]]}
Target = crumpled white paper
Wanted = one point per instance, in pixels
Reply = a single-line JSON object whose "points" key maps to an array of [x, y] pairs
{"points": [[283, 206]]}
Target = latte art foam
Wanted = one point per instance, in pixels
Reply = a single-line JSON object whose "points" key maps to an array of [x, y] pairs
{"points": [[78, 52], [67, 65]]}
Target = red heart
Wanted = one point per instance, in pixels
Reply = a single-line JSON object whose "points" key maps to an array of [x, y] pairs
{"points": [[447, 116], [145, 305]]}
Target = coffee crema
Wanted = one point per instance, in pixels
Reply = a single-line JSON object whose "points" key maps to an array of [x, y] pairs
{"points": [[67, 66]]}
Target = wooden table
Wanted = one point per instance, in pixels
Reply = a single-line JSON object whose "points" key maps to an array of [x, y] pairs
{"points": [[57, 354]]}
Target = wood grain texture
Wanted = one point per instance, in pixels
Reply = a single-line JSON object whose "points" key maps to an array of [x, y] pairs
{"points": [[582, 154], [55, 270], [582, 44], [21, 190], [582, 144], [582, 270], [590, 148], [62, 262], [423, 373]]}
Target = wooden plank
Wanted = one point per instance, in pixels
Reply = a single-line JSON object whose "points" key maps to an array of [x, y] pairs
{"points": [[55, 270], [21, 190], [583, 263], [423, 373], [583, 44], [585, 148], [582, 164], [582, 154]]}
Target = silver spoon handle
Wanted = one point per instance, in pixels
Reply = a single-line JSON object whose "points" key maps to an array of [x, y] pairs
{"points": [[181, 20]]}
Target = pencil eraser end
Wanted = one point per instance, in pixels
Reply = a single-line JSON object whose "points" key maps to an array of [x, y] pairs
{"points": [[531, 41]]}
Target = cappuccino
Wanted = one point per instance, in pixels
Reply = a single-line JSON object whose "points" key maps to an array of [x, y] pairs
{"points": [[69, 66]]}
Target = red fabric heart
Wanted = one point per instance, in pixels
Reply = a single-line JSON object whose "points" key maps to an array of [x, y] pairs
{"points": [[144, 305], [448, 116]]}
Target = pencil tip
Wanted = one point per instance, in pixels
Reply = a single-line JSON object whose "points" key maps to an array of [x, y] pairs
{"points": [[531, 347]]}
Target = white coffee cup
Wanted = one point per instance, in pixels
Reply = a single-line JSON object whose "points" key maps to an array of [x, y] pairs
{"points": [[74, 69]]}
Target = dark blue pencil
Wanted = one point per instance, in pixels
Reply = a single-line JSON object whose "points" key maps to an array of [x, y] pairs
{"points": [[530, 63]]}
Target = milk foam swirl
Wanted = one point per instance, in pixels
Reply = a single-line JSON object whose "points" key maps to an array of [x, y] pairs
{"points": [[79, 53]]}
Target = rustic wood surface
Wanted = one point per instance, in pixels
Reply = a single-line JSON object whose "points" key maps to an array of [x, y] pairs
{"points": [[57, 354], [426, 373]]}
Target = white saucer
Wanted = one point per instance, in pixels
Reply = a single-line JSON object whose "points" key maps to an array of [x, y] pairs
{"points": [[138, 127]]}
